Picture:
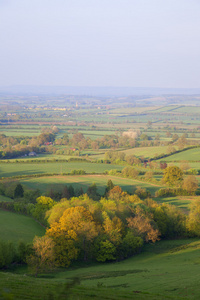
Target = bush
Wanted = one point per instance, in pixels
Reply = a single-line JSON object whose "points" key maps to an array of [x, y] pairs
{"points": [[169, 192], [7, 254], [130, 172], [142, 193]]}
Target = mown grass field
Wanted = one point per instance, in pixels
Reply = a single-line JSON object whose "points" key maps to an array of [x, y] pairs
{"points": [[147, 152], [57, 183], [189, 155], [20, 130], [133, 110], [164, 270], [15, 227], [15, 169], [179, 201]]}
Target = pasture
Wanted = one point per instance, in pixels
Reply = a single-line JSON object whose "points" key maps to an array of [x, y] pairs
{"points": [[164, 270], [20, 130], [134, 110], [147, 152], [17, 169], [167, 268], [15, 227], [182, 202], [189, 155], [44, 184]]}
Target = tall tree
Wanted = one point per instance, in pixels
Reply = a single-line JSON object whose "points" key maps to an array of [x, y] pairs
{"points": [[19, 191]]}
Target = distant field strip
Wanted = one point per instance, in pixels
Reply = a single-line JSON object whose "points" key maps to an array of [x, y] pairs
{"points": [[147, 152], [16, 169]]}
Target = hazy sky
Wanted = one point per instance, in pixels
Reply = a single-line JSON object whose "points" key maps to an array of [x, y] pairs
{"points": [[137, 43]]}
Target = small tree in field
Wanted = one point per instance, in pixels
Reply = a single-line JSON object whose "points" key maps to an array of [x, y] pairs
{"points": [[173, 175], [19, 191], [190, 183]]}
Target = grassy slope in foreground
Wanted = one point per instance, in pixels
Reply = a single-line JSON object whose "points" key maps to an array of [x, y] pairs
{"points": [[168, 268], [14, 227], [165, 270]]}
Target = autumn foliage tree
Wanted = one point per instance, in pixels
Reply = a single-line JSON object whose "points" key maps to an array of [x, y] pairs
{"points": [[42, 258], [193, 222], [76, 224], [190, 183]]}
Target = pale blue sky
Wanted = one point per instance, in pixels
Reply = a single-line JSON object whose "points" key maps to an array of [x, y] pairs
{"points": [[136, 43]]}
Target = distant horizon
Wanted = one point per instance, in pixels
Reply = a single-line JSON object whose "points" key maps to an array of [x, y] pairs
{"points": [[110, 91]]}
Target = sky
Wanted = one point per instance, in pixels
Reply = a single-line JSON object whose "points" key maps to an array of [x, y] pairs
{"points": [[131, 43]]}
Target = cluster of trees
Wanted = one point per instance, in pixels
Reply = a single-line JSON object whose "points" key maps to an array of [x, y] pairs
{"points": [[30, 202], [12, 147], [121, 158], [113, 228], [173, 176], [81, 228], [107, 141], [13, 253]]}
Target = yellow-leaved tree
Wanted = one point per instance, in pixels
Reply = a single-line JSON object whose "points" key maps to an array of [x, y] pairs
{"points": [[73, 233]]}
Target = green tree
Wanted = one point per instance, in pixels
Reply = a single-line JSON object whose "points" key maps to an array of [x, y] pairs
{"points": [[173, 175], [19, 191], [92, 192], [109, 186], [131, 245], [105, 251]]}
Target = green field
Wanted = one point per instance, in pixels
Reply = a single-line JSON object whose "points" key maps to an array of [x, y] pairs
{"points": [[16, 169], [57, 183], [179, 201], [147, 152], [165, 270], [189, 155], [21, 130], [5, 199], [15, 227], [133, 110], [169, 268]]}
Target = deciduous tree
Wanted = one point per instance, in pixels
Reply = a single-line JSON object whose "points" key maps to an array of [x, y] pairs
{"points": [[173, 175]]}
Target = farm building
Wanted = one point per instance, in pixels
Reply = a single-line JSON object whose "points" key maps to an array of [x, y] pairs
{"points": [[32, 153]]}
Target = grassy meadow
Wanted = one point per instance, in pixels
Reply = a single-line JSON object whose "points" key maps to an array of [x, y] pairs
{"points": [[16, 169], [189, 155], [164, 270], [147, 152], [15, 227], [57, 182]]}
